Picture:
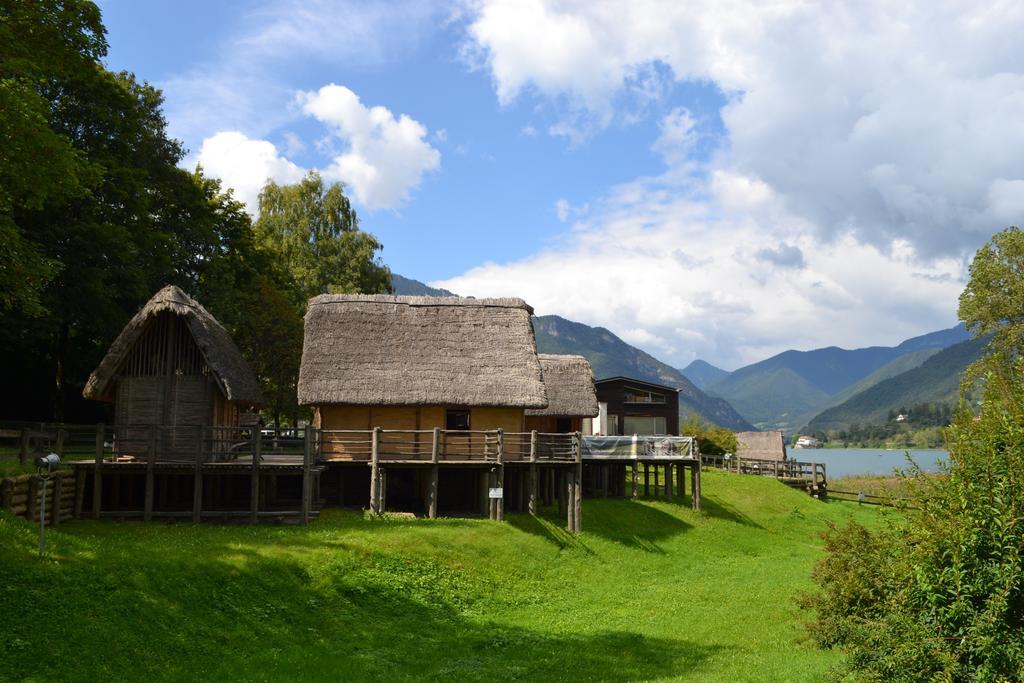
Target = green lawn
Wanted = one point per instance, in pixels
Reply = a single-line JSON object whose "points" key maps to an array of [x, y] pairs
{"points": [[650, 590]]}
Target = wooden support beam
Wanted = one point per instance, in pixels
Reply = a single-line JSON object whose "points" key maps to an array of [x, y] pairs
{"points": [[432, 490], [97, 483], [681, 478], [531, 502], [254, 474], [147, 514], [197, 478], [647, 480], [375, 472], [634, 466], [695, 484], [307, 474], [23, 448], [668, 480], [499, 503], [578, 486]]}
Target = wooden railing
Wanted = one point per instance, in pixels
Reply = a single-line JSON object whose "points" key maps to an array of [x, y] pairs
{"points": [[445, 445], [813, 472]]}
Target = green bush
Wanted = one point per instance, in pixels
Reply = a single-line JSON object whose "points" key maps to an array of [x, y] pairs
{"points": [[939, 595]]}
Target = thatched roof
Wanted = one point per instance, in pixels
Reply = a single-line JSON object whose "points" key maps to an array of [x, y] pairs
{"points": [[419, 350], [761, 445], [569, 382], [222, 356]]}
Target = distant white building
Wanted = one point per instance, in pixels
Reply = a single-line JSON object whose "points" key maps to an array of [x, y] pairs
{"points": [[902, 417], [807, 442]]}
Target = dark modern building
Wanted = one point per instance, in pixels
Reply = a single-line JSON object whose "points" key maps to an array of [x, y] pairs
{"points": [[632, 406]]}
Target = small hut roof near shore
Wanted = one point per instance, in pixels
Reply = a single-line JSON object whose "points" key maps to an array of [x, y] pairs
{"points": [[223, 358], [761, 445], [420, 350], [569, 382]]}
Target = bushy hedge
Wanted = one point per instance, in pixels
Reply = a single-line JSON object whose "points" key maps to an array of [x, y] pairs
{"points": [[940, 594]]}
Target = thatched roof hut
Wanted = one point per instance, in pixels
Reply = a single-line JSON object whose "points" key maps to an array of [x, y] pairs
{"points": [[382, 350], [219, 353], [761, 445], [569, 382]]}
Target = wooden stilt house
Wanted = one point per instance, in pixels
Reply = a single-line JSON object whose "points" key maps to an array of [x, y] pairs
{"points": [[569, 383], [173, 370]]}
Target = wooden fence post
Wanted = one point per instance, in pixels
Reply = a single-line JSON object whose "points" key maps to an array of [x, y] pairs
{"points": [[97, 483], [254, 484], [32, 504], [23, 447], [6, 493], [58, 490], [307, 476], [695, 484], [375, 502]]}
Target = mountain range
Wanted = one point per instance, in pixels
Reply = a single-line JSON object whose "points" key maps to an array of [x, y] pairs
{"points": [[788, 390]]}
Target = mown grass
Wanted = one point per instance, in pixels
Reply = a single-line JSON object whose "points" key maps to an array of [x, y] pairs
{"points": [[650, 590]]}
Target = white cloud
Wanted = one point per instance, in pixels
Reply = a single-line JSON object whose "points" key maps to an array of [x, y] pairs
{"points": [[562, 207], [386, 156], [675, 273], [877, 119], [245, 165]]}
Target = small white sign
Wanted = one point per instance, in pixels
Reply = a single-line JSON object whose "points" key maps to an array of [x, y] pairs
{"points": [[496, 493]]}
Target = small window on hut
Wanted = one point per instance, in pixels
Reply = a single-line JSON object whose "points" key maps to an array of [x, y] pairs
{"points": [[457, 420]]}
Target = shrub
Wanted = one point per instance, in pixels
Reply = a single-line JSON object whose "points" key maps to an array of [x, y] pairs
{"points": [[941, 593]]}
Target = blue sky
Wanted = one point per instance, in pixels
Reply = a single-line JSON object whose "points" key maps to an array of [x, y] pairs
{"points": [[708, 181]]}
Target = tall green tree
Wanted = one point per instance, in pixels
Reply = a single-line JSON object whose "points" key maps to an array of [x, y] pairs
{"points": [[993, 301], [314, 231]]}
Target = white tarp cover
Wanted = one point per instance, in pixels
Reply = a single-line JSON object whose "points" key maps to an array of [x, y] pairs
{"points": [[634, 447]]}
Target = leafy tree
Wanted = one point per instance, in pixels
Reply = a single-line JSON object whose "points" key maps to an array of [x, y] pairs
{"points": [[991, 302], [314, 231], [711, 439]]}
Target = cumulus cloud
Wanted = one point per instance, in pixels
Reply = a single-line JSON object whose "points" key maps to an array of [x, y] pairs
{"points": [[881, 120], [386, 157], [245, 165], [678, 277]]}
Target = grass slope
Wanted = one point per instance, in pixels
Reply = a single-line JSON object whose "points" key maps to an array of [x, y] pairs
{"points": [[649, 590]]}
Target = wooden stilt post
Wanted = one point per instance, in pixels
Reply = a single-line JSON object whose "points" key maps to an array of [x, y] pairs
{"points": [[254, 483], [578, 486], [435, 456], [97, 488], [563, 492], [485, 499], [532, 499], [695, 484], [197, 477], [499, 504], [681, 478], [668, 480], [647, 480], [633, 470], [147, 513], [375, 507]]}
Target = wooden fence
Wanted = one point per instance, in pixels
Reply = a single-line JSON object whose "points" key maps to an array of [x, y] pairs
{"points": [[811, 474], [22, 496]]}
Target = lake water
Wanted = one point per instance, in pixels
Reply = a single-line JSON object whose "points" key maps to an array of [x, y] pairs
{"points": [[846, 462]]}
